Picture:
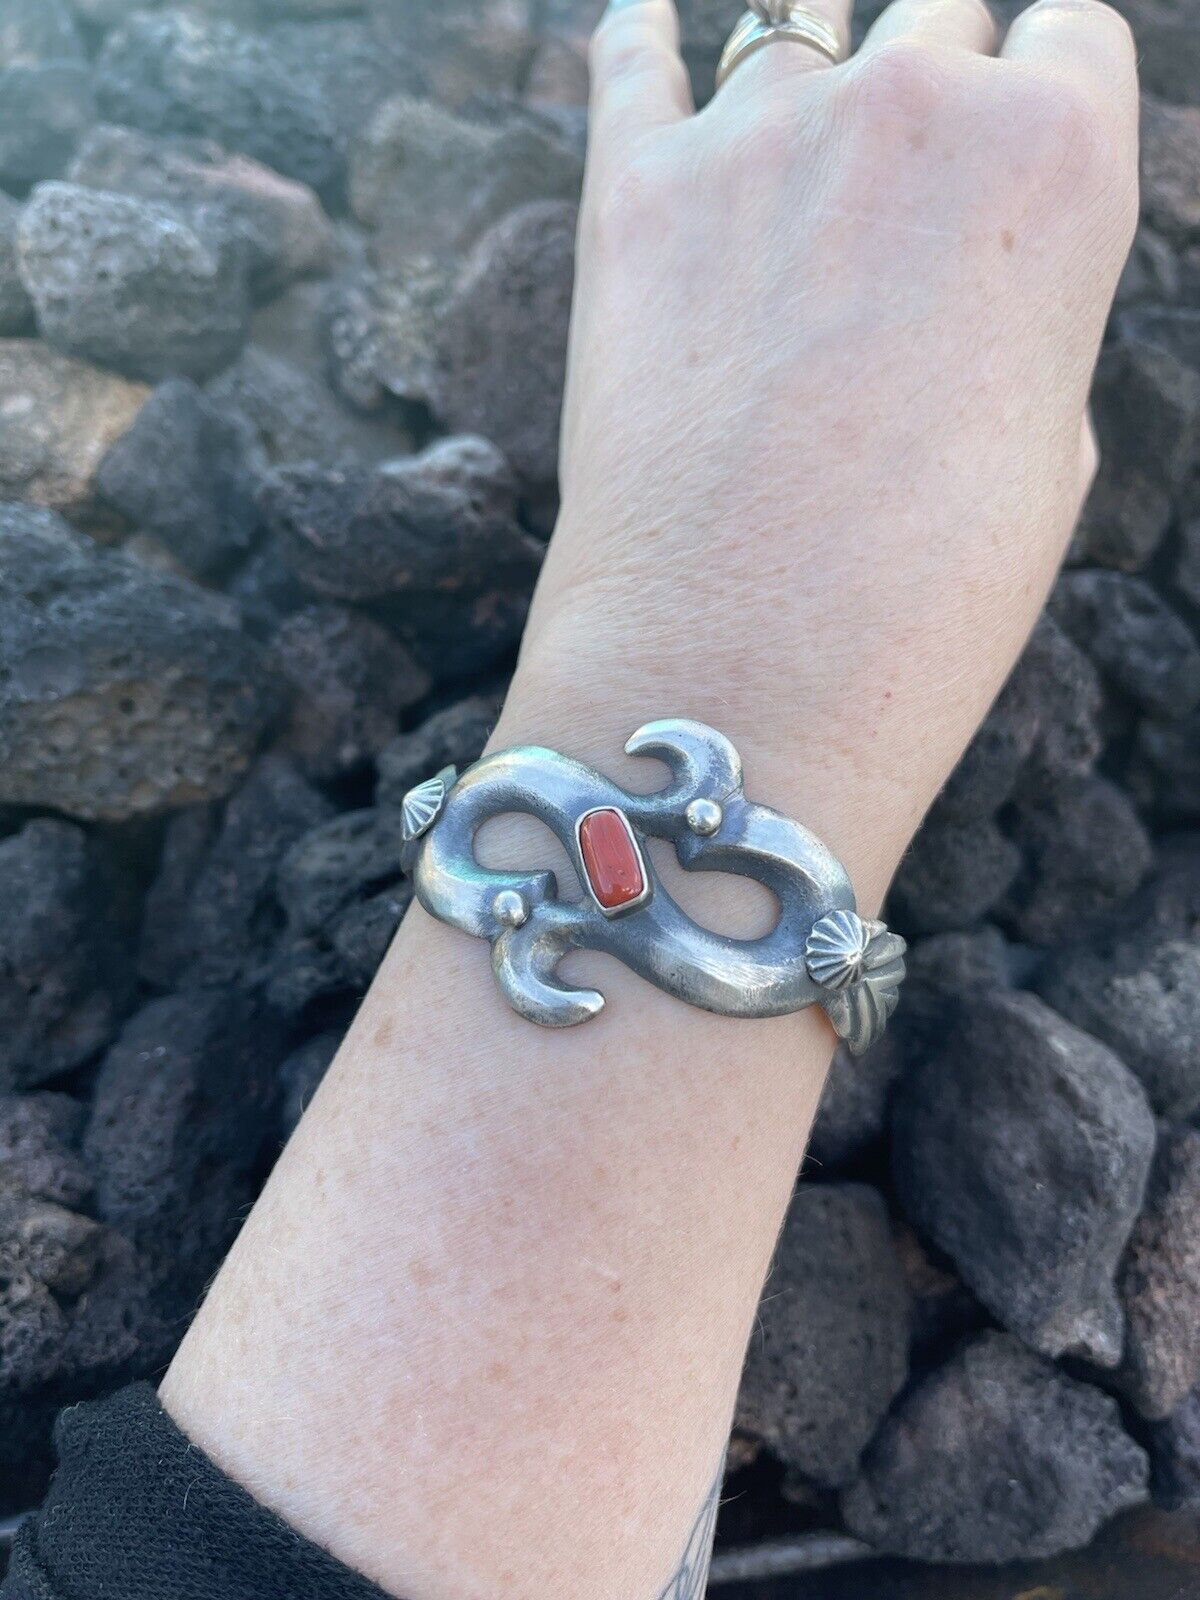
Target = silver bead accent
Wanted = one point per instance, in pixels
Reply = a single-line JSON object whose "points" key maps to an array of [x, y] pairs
{"points": [[836, 948], [511, 909], [704, 817], [422, 806]]}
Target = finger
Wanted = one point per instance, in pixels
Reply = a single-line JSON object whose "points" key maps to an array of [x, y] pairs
{"points": [[957, 24], [785, 58], [1084, 43], [639, 80]]}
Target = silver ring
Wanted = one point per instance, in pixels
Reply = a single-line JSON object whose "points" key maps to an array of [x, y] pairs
{"points": [[783, 21], [820, 952]]}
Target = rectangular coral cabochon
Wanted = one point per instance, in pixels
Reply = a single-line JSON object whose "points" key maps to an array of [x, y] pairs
{"points": [[611, 859]]}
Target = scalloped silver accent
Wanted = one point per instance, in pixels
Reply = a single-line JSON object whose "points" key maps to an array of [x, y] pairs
{"points": [[836, 949], [860, 1012], [422, 806]]}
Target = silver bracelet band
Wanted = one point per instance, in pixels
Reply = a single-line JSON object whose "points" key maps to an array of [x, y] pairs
{"points": [[819, 951]]}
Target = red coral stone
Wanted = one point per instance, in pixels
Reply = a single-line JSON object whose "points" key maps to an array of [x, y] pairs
{"points": [[610, 859]]}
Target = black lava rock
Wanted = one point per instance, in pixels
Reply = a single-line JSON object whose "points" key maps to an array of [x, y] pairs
{"points": [[351, 681], [1175, 1457], [853, 1114], [953, 875], [276, 225], [300, 1077], [131, 283], [998, 1456], [65, 971], [179, 72], [32, 31], [120, 692], [1022, 1149], [1133, 636], [16, 308], [211, 914], [44, 108], [182, 474], [452, 737], [1085, 851], [1160, 1283], [39, 1146], [183, 1112], [501, 358], [830, 1352], [431, 541]]}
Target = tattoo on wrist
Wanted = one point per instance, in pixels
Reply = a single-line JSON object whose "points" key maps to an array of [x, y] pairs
{"points": [[691, 1576]]}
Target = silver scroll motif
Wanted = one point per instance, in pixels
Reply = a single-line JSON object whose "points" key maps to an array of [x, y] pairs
{"points": [[819, 951]]}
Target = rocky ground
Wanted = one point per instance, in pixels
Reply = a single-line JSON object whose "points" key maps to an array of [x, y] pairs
{"points": [[283, 298]]}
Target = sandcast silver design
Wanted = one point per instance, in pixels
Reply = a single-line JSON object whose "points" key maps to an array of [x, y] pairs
{"points": [[819, 951], [780, 22]]}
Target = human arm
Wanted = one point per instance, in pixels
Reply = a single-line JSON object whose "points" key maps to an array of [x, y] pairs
{"points": [[822, 451]]}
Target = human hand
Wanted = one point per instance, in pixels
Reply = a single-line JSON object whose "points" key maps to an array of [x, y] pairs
{"points": [[824, 437]]}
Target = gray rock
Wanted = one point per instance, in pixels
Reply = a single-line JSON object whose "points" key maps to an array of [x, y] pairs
{"points": [[130, 283], [346, 859], [182, 474], [16, 308], [1085, 852], [1133, 636], [276, 224], [183, 1110], [180, 72], [121, 692], [502, 347], [1164, 773], [294, 416], [65, 977], [1146, 405], [465, 47], [300, 1077], [944, 1309], [1141, 997], [429, 182], [60, 418], [211, 914], [853, 1112], [33, 31], [56, 1247], [1021, 1148], [39, 1146], [348, 68], [1160, 1283], [830, 1348], [381, 331], [452, 737], [996, 1457], [44, 108], [1175, 1457], [351, 681], [432, 541], [1170, 154], [953, 874]]}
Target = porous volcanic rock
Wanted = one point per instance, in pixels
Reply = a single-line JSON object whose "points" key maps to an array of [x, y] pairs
{"points": [[351, 680], [428, 181], [953, 875], [452, 737], [1144, 648], [830, 1352], [16, 308], [39, 1146], [997, 1456], [278, 225], [1016, 1090], [211, 913], [44, 108], [121, 692], [176, 71], [65, 973], [60, 418], [1170, 154], [1175, 1457], [182, 473], [501, 359], [853, 1113], [1160, 1282], [131, 283], [33, 31]]}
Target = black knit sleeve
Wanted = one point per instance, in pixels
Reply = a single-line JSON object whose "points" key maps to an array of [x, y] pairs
{"points": [[137, 1512]]}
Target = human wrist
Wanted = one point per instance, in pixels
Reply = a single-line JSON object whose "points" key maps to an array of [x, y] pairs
{"points": [[589, 676]]}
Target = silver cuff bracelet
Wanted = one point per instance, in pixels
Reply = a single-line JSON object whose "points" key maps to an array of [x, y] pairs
{"points": [[819, 951]]}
